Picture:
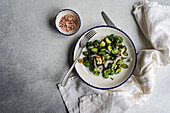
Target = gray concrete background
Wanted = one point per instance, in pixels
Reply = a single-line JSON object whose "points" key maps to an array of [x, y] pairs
{"points": [[34, 56]]}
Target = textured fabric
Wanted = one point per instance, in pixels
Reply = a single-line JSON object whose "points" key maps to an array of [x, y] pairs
{"points": [[154, 21]]}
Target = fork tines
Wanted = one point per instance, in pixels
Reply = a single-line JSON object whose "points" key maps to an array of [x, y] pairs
{"points": [[90, 34]]}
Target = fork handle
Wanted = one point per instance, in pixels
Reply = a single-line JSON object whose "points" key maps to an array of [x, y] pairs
{"points": [[64, 81]]}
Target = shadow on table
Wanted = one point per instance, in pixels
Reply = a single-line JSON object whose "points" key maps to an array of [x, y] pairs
{"points": [[51, 20], [51, 23], [70, 62], [71, 52]]}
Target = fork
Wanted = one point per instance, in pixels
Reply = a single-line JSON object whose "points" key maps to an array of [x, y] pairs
{"points": [[83, 42]]}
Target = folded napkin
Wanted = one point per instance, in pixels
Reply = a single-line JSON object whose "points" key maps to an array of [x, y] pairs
{"points": [[154, 21]]}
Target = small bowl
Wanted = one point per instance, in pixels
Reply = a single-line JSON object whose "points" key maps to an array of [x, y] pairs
{"points": [[62, 13]]}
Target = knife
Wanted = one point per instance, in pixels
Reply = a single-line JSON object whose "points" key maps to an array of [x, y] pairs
{"points": [[110, 23], [107, 20]]}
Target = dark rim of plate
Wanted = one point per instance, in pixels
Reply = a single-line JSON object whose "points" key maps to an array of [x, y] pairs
{"points": [[77, 16], [133, 47]]}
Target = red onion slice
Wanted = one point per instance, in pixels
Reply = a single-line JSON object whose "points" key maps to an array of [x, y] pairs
{"points": [[95, 65], [94, 55], [127, 58], [108, 51], [98, 68], [119, 57], [107, 62]]}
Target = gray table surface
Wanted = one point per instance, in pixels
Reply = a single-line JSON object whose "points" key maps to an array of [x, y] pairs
{"points": [[34, 56]]}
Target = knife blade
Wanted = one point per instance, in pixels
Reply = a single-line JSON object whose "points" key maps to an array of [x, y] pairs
{"points": [[107, 19]]}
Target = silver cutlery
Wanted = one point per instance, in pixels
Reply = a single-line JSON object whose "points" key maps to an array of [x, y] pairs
{"points": [[110, 23], [107, 20], [83, 42]]}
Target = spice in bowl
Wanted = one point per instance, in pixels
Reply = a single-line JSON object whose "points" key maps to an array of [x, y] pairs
{"points": [[67, 22]]}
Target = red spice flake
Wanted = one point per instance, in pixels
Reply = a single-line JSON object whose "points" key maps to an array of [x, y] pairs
{"points": [[68, 23]]}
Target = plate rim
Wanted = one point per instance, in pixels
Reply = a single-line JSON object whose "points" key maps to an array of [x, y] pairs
{"points": [[133, 48]]}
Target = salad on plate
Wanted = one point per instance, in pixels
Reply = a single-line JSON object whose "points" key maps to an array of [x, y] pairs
{"points": [[106, 57]]}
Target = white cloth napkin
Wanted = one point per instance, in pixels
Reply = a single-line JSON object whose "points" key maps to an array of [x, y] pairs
{"points": [[154, 21]]}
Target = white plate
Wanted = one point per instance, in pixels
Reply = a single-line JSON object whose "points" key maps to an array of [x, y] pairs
{"points": [[98, 81]]}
